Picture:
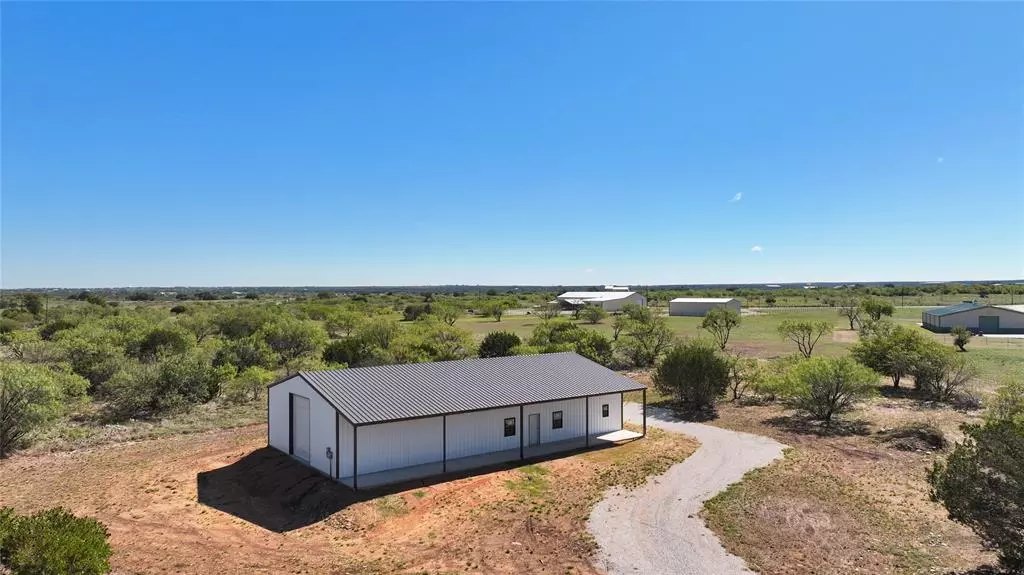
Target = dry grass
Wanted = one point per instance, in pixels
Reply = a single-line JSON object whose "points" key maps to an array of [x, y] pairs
{"points": [[842, 503], [184, 504]]}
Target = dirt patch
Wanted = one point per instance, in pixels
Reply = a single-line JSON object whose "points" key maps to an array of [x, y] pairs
{"points": [[845, 336], [840, 503], [184, 504]]}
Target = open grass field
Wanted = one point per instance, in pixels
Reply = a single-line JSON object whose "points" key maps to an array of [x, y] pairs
{"points": [[757, 336], [222, 502]]}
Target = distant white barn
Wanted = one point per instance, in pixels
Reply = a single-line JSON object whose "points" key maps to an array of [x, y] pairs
{"points": [[985, 318], [700, 306], [370, 426], [609, 300]]}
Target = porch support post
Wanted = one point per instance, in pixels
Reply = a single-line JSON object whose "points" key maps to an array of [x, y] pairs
{"points": [[522, 427], [444, 443], [587, 399], [644, 408], [355, 458]]}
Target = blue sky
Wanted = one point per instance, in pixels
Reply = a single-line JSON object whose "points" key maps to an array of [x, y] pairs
{"points": [[510, 143]]}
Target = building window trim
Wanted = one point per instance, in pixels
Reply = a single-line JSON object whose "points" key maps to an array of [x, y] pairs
{"points": [[510, 427], [556, 420], [604, 410]]}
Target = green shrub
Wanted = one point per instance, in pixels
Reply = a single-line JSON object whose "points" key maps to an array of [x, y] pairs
{"points": [[53, 541], [593, 314], [694, 373], [1008, 404], [961, 335], [940, 374], [981, 484], [247, 386], [499, 344], [824, 387], [31, 399]]}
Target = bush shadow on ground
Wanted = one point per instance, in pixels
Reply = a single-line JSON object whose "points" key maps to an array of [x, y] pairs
{"points": [[274, 491], [673, 411], [803, 425]]}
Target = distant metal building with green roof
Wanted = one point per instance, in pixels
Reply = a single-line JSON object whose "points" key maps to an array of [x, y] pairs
{"points": [[975, 316]]}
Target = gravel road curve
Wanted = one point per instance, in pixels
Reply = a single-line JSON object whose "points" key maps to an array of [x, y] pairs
{"points": [[655, 529]]}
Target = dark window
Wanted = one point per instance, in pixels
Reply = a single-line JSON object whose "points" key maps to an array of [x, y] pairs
{"points": [[510, 427], [604, 410], [556, 420]]}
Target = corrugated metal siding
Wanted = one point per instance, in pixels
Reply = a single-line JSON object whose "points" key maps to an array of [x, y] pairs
{"points": [[481, 432], [387, 392], [608, 424], [345, 446], [574, 419], [699, 309], [399, 444], [321, 422]]}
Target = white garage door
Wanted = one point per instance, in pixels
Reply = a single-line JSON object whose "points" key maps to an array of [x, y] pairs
{"points": [[300, 427]]}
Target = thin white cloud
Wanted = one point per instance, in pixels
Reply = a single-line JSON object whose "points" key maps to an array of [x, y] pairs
{"points": [[757, 249], [737, 197], [588, 271]]}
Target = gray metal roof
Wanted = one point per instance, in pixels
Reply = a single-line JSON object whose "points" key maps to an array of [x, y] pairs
{"points": [[960, 307], [389, 392]]}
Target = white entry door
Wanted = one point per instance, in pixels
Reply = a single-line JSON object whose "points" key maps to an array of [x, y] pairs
{"points": [[534, 429], [300, 427]]}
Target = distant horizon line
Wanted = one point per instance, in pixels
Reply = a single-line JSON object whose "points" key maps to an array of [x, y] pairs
{"points": [[1018, 281]]}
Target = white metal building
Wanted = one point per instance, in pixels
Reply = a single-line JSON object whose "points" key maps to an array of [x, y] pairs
{"points": [[609, 300], [700, 306], [984, 317], [371, 426]]}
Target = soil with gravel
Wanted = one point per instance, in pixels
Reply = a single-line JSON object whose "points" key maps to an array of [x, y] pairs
{"points": [[656, 529]]}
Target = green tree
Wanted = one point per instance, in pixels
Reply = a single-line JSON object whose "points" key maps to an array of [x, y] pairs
{"points": [[694, 373], [719, 322], [875, 308], [593, 314], [564, 335], [379, 332], [499, 344], [243, 320], [414, 311], [248, 386], [645, 339], [496, 309], [447, 312], [32, 397], [850, 309], [825, 387], [961, 335], [549, 311], [162, 341], [33, 303], [343, 323], [292, 338], [1008, 404], [744, 374], [245, 353], [200, 324], [981, 484], [892, 352], [349, 351], [805, 334], [53, 541], [940, 374], [443, 342]]}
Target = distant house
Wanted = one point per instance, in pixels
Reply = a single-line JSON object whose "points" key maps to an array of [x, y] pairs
{"points": [[700, 306], [370, 426], [609, 300], [972, 315]]}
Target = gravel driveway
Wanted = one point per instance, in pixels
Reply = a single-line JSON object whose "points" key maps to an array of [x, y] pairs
{"points": [[655, 529]]}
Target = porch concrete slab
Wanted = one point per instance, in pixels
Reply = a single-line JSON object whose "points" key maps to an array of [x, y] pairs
{"points": [[414, 472]]}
